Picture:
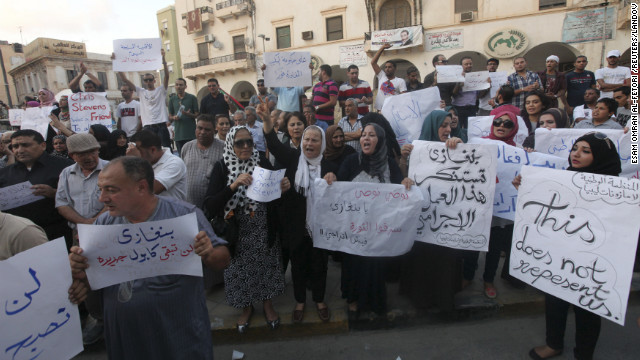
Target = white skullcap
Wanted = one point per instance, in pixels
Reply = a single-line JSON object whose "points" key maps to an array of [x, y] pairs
{"points": [[554, 58]]}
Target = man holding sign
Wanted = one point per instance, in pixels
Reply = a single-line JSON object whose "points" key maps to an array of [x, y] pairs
{"points": [[155, 317]]}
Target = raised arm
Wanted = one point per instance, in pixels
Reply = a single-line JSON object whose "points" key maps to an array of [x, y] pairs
{"points": [[376, 57], [165, 81], [131, 85], [74, 84]]}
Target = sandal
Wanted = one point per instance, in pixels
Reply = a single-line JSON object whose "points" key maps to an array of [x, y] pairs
{"points": [[297, 315], [242, 328], [490, 291], [323, 314], [534, 355]]}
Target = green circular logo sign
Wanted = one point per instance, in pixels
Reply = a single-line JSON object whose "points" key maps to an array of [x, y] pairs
{"points": [[506, 43]]}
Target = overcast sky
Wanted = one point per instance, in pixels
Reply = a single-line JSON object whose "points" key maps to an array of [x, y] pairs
{"points": [[95, 22]]}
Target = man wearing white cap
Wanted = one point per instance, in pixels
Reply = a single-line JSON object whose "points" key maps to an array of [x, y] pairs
{"points": [[612, 76], [553, 81]]}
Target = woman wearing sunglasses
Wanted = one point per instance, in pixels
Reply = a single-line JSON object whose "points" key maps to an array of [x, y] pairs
{"points": [[592, 153]]}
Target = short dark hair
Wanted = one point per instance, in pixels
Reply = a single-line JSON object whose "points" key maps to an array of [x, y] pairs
{"points": [[412, 69], [297, 114], [494, 60], [90, 82], [519, 57], [546, 102], [326, 68], [465, 58], [29, 133], [213, 80], [127, 86], [391, 62], [405, 31], [135, 168], [207, 118], [183, 80], [260, 81], [507, 93], [625, 90], [581, 56], [434, 61], [147, 139], [352, 66], [153, 76], [592, 89], [611, 104]]}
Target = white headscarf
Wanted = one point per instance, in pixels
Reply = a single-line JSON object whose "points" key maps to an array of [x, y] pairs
{"points": [[308, 169], [239, 200]]}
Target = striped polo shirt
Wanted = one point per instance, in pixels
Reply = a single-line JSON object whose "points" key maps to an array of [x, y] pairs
{"points": [[322, 93], [362, 89]]}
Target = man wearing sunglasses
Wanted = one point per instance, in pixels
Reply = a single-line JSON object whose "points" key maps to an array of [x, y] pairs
{"points": [[215, 102], [153, 107]]}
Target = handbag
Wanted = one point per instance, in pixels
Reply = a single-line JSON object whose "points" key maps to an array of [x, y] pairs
{"points": [[228, 229]]}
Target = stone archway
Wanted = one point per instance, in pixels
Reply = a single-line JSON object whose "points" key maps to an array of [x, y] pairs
{"points": [[242, 91], [204, 91], [479, 59], [537, 56]]}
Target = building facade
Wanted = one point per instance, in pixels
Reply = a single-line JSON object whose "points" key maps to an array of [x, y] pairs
{"points": [[168, 30], [10, 56]]}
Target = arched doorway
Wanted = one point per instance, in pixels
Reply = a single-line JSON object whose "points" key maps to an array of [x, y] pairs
{"points": [[537, 56], [625, 58], [204, 91], [479, 60], [401, 71], [242, 91]]}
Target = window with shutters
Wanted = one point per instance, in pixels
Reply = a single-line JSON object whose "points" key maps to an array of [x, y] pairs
{"points": [[395, 14], [102, 76], [283, 35], [548, 4], [238, 47], [466, 5], [203, 51], [334, 28]]}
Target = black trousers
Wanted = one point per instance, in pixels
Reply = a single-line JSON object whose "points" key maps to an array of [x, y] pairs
{"points": [[162, 131], [308, 266], [587, 327], [499, 240]]}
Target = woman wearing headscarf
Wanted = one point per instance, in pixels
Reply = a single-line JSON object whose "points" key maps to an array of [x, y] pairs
{"points": [[553, 118], [303, 165], [60, 146], [101, 133], [456, 129], [46, 97], [363, 284], [393, 148], [255, 272], [597, 154], [116, 144], [337, 150]]}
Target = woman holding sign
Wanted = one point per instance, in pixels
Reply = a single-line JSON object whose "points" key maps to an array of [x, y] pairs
{"points": [[592, 153], [255, 272], [303, 165], [550, 119]]}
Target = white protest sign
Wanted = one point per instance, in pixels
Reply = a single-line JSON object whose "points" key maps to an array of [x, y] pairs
{"points": [[266, 184], [558, 142], [353, 55], [118, 253], [137, 54], [86, 109], [37, 319], [37, 118], [480, 126], [510, 161], [287, 69], [365, 219], [406, 112], [14, 196], [477, 80], [15, 116], [458, 187], [498, 78], [570, 240], [449, 74]]}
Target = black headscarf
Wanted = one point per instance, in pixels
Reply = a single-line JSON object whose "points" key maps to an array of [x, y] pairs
{"points": [[606, 160], [113, 150], [101, 133], [380, 120], [376, 164]]}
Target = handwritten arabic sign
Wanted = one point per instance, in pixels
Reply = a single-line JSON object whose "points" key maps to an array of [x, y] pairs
{"points": [[400, 38], [458, 186], [444, 40], [406, 112], [558, 142], [15, 116], [37, 118], [137, 54], [38, 321], [587, 25], [449, 74], [287, 69], [476, 81], [266, 185], [353, 55], [510, 161], [498, 78], [570, 241], [14, 196], [86, 109], [119, 253], [480, 126], [364, 218]]}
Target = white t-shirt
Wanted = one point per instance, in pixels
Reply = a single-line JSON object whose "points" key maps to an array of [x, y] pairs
{"points": [[171, 172], [616, 75], [388, 87], [582, 111], [153, 105], [128, 115]]}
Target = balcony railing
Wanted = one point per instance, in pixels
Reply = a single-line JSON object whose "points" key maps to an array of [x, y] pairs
{"points": [[220, 59], [224, 4]]}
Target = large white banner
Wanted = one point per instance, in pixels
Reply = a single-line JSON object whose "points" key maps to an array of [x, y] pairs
{"points": [[458, 188], [37, 118], [137, 54], [400, 38], [510, 161], [364, 218], [575, 237], [119, 253], [37, 320], [480, 126], [15, 116], [86, 109], [353, 55], [558, 142], [475, 81], [406, 112], [287, 69]]}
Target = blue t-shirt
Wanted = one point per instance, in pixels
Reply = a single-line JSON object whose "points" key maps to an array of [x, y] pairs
{"points": [[288, 98]]}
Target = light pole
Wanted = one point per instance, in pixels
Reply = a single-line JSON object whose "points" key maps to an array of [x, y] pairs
{"points": [[264, 38]]}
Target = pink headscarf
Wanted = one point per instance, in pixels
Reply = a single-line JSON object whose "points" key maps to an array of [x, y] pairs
{"points": [[509, 138], [49, 99]]}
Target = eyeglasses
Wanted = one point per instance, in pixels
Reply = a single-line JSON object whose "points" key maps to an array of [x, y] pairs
{"points": [[601, 136], [148, 80], [243, 142], [212, 85], [508, 124]]}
